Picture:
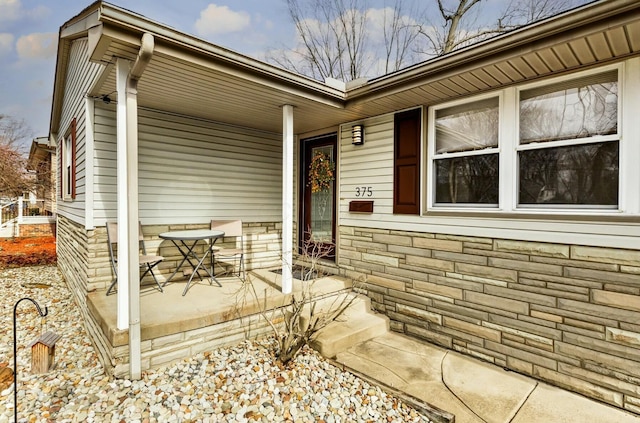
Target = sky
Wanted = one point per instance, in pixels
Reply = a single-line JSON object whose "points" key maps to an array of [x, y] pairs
{"points": [[29, 31]]}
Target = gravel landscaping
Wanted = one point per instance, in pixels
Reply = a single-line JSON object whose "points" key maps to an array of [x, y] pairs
{"points": [[238, 384]]}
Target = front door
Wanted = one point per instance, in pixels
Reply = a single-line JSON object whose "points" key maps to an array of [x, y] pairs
{"points": [[318, 196]]}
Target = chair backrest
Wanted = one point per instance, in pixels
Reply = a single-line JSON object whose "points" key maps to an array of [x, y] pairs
{"points": [[231, 228], [112, 232], [112, 239]]}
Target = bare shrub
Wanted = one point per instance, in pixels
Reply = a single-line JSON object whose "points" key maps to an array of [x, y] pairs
{"points": [[303, 313]]}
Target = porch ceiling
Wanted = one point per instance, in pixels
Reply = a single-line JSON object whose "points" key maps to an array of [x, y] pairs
{"points": [[202, 87]]}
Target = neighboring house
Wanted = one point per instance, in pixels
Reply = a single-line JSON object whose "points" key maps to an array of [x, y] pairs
{"points": [[493, 207], [42, 162], [33, 213]]}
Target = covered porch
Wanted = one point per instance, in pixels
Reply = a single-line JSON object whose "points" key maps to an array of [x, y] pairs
{"points": [[173, 327], [174, 131]]}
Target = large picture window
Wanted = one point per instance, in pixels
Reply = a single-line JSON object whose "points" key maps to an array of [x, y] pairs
{"points": [[559, 148], [466, 162]]}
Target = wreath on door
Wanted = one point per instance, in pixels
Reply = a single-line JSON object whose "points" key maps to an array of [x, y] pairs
{"points": [[321, 172]]}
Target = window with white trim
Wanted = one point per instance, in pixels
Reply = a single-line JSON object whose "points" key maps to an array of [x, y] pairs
{"points": [[466, 158], [68, 164], [559, 149], [569, 143]]}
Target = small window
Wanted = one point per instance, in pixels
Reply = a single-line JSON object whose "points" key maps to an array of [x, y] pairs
{"points": [[568, 153], [68, 148], [466, 159], [68, 164]]}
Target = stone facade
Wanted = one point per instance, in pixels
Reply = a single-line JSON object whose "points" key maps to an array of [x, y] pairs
{"points": [[164, 350], [565, 314], [262, 248], [37, 229], [74, 250]]}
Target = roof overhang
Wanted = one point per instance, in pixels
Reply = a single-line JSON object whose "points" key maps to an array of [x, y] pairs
{"points": [[40, 151], [591, 35], [192, 77]]}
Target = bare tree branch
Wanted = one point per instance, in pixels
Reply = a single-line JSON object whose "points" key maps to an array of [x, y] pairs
{"points": [[14, 180], [349, 39]]}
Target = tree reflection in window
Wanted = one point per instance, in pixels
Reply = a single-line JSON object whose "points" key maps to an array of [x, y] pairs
{"points": [[585, 174], [570, 110], [471, 179], [470, 132], [561, 163]]}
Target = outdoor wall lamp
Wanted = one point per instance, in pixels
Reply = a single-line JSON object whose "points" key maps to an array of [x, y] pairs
{"points": [[357, 135]]}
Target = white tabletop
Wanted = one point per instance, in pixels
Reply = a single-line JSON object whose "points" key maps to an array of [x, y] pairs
{"points": [[192, 234]]}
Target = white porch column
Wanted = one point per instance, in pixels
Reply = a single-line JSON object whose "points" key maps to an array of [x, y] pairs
{"points": [[126, 261], [287, 197], [127, 76]]}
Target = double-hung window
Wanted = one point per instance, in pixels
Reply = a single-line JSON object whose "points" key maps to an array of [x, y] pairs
{"points": [[569, 143], [466, 157], [552, 145]]}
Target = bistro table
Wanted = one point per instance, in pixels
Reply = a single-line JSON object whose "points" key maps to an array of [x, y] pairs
{"points": [[186, 241]]}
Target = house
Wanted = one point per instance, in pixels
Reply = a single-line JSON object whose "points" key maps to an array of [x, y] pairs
{"points": [[33, 213], [42, 162], [489, 197]]}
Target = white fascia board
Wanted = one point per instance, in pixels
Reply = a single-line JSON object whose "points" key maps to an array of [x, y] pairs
{"points": [[78, 28], [189, 47]]}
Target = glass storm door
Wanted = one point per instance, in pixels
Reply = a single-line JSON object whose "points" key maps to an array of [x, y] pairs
{"points": [[318, 201]]}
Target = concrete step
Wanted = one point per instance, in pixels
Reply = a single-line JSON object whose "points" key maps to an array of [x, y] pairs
{"points": [[358, 324]]}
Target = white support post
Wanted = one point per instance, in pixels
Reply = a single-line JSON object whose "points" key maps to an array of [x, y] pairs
{"points": [[132, 230], [122, 75], [287, 198], [20, 209], [127, 76]]}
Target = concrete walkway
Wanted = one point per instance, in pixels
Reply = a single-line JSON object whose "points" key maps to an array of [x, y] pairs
{"points": [[470, 390]]}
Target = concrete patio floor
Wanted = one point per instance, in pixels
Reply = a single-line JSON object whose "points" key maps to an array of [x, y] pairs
{"points": [[166, 313]]}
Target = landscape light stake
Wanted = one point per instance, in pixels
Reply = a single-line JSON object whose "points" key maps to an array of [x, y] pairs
{"points": [[15, 353]]}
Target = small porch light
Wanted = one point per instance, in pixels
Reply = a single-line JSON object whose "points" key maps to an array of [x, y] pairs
{"points": [[357, 135]]}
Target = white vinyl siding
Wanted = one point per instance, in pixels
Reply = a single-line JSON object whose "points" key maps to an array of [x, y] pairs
{"points": [[367, 165], [80, 77], [191, 170], [371, 164]]}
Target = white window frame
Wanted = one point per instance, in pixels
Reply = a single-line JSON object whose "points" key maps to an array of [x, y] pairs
{"points": [[509, 146], [432, 156], [67, 165]]}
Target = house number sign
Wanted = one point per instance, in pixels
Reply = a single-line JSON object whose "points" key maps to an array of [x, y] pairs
{"points": [[364, 191]]}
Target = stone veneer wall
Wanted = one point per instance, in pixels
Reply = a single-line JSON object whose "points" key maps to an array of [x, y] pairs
{"points": [[565, 314], [77, 257], [83, 258], [164, 350], [37, 229], [74, 251], [262, 247]]}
